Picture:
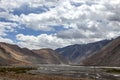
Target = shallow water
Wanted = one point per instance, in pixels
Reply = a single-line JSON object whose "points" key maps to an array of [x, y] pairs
{"points": [[75, 71]]}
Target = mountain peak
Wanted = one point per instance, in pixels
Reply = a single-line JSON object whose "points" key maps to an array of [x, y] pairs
{"points": [[77, 52]]}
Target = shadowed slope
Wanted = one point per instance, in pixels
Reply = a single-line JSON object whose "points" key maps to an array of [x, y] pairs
{"points": [[76, 53], [108, 56]]}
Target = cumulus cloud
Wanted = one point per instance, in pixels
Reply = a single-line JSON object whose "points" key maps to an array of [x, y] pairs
{"points": [[6, 40], [93, 16], [6, 27], [49, 41], [83, 21], [40, 41]]}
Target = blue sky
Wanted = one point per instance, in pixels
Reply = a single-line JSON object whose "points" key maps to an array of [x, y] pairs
{"points": [[55, 23]]}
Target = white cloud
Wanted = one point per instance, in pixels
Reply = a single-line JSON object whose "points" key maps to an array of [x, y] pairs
{"points": [[68, 15], [11, 4], [38, 22], [6, 40], [6, 27], [84, 20], [41, 41], [49, 41]]}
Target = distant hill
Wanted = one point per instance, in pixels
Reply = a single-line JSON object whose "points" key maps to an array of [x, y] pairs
{"points": [[14, 55], [51, 57], [76, 53], [108, 56]]}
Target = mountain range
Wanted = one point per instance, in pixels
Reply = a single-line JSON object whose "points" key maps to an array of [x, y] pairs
{"points": [[76, 53], [14, 55], [101, 53]]}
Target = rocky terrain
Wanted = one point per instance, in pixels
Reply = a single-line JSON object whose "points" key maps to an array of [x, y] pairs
{"points": [[101, 53], [36, 77], [51, 57], [108, 56], [14, 55], [76, 53]]}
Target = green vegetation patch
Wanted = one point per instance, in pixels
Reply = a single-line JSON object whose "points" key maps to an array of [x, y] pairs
{"points": [[16, 69], [113, 71]]}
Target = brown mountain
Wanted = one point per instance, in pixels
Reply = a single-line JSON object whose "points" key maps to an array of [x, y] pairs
{"points": [[51, 56], [14, 55], [108, 56]]}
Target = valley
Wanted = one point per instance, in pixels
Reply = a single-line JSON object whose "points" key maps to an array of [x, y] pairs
{"points": [[100, 63], [65, 72], [90, 72]]}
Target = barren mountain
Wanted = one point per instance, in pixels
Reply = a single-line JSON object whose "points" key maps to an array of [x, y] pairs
{"points": [[51, 56], [14, 55], [108, 56], [76, 53]]}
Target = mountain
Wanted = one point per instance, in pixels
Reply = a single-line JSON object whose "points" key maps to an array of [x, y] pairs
{"points": [[76, 53], [51, 56], [14, 55], [109, 55]]}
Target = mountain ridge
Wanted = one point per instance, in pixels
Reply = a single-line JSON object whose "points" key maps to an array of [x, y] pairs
{"points": [[108, 56], [101, 52], [11, 54], [75, 53]]}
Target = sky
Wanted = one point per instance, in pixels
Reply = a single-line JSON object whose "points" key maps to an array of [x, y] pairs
{"points": [[53, 24]]}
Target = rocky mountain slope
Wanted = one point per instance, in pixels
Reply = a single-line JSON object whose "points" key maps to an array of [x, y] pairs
{"points": [[108, 56], [13, 54], [105, 52], [51, 56], [76, 53]]}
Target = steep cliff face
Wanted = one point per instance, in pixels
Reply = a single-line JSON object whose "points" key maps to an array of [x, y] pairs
{"points": [[108, 56]]}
